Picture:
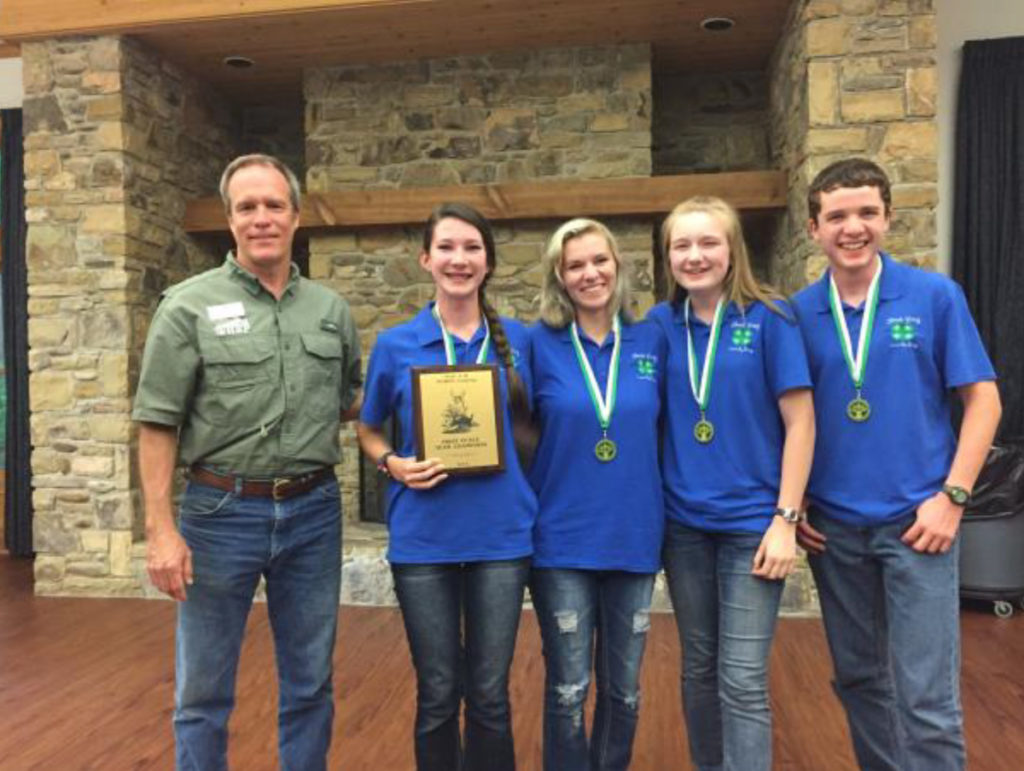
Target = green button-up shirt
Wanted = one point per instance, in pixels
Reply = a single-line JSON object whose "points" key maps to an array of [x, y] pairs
{"points": [[256, 385]]}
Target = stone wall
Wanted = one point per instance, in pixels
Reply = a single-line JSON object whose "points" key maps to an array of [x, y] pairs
{"points": [[276, 129], [559, 114], [857, 77], [710, 123], [116, 141]]}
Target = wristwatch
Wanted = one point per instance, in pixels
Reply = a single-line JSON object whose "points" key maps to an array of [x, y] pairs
{"points": [[959, 495], [382, 462], [792, 516]]}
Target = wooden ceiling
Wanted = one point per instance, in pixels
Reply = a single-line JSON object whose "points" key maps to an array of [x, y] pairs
{"points": [[284, 36]]}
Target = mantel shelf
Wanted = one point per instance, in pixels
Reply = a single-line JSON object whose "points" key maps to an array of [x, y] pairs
{"points": [[559, 199]]}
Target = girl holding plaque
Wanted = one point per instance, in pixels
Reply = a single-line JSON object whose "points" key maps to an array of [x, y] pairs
{"points": [[598, 381], [738, 442], [459, 546]]}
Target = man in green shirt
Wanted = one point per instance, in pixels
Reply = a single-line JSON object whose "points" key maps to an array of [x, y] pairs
{"points": [[248, 370]]}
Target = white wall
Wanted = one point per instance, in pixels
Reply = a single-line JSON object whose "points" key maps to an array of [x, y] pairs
{"points": [[960, 21], [10, 83]]}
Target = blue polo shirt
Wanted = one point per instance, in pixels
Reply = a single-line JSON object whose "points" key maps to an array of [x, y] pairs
{"points": [[732, 483], [464, 518], [924, 343], [596, 515]]}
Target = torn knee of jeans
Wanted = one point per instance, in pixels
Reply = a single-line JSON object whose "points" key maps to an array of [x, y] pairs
{"points": [[642, 621], [567, 620], [573, 695], [632, 701]]}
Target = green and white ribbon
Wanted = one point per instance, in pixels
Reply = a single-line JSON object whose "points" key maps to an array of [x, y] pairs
{"points": [[449, 343], [702, 390], [603, 405], [855, 364]]}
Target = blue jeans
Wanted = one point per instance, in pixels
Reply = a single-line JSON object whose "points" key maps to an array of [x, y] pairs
{"points": [[296, 545], [892, 619], [572, 607], [726, 619], [461, 620]]}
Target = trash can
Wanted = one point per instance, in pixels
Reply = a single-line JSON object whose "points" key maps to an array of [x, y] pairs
{"points": [[992, 532]]}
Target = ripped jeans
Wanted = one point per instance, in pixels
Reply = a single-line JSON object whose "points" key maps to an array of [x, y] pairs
{"points": [[574, 606]]}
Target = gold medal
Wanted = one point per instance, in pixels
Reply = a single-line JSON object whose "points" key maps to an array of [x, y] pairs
{"points": [[704, 431], [858, 410], [605, 450]]}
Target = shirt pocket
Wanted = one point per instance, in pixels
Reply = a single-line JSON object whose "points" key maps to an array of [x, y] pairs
{"points": [[321, 375], [237, 379], [235, 364]]}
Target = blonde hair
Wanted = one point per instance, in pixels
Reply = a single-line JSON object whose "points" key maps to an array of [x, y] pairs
{"points": [[556, 308], [740, 286]]}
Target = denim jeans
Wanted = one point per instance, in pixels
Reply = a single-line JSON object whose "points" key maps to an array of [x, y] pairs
{"points": [[572, 607], [726, 619], [461, 620], [892, 620], [296, 545]]}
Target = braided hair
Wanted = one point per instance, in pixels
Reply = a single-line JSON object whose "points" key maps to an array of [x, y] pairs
{"points": [[524, 430]]}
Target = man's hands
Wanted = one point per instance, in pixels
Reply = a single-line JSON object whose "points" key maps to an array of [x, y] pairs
{"points": [[169, 562], [938, 520], [933, 531]]}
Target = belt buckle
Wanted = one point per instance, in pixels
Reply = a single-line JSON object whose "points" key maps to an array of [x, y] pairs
{"points": [[277, 491]]}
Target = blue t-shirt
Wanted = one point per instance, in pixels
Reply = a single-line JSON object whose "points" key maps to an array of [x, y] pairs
{"points": [[597, 515], [464, 518], [923, 344], [732, 483]]}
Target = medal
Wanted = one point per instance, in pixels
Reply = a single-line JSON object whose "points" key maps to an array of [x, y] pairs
{"points": [[604, 404], [605, 450], [858, 409], [449, 344], [703, 429]]}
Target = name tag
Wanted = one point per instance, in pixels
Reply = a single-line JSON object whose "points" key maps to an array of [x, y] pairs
{"points": [[231, 327], [225, 311]]}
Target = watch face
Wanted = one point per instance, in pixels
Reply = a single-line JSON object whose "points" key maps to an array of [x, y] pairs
{"points": [[958, 495]]}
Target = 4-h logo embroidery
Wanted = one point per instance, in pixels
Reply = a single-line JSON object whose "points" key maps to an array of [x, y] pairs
{"points": [[742, 336], [645, 365], [902, 332]]}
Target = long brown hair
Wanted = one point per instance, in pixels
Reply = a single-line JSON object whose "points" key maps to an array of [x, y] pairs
{"points": [[524, 430], [741, 287]]}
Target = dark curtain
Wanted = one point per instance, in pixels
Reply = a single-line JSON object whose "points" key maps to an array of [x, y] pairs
{"points": [[18, 504], [988, 215]]}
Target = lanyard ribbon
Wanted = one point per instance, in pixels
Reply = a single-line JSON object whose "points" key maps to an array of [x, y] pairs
{"points": [[449, 343], [856, 365], [702, 392], [603, 405]]}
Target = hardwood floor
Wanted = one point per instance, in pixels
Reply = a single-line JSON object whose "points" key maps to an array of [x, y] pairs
{"points": [[87, 684]]}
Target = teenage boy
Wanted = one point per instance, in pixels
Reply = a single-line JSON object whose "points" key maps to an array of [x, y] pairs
{"points": [[887, 345]]}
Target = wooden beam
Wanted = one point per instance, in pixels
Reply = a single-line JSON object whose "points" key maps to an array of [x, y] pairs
{"points": [[519, 200], [9, 50], [32, 19]]}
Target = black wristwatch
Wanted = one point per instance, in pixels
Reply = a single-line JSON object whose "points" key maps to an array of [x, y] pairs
{"points": [[961, 496], [382, 462]]}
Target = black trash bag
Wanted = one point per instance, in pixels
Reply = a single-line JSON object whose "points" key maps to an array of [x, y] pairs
{"points": [[999, 491]]}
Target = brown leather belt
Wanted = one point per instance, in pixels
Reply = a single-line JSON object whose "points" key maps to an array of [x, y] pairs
{"points": [[279, 489]]}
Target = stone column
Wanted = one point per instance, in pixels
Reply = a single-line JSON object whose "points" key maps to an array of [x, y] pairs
{"points": [[857, 77], [115, 142]]}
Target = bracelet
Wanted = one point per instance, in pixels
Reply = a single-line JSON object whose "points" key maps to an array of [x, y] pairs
{"points": [[382, 463]]}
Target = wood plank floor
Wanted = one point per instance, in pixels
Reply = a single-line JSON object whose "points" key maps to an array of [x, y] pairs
{"points": [[87, 684]]}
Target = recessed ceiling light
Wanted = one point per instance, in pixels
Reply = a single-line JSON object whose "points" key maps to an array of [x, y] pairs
{"points": [[718, 24], [238, 62]]}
